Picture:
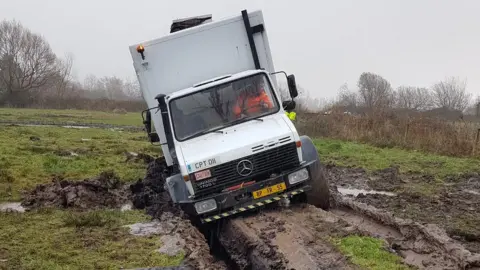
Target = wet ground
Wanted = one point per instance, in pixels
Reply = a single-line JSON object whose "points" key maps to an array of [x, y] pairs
{"points": [[452, 204], [104, 191], [68, 125], [298, 236]]}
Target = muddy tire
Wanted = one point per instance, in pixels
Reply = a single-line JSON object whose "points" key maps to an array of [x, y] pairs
{"points": [[319, 196]]}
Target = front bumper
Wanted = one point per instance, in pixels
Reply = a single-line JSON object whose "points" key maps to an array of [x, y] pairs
{"points": [[233, 202]]}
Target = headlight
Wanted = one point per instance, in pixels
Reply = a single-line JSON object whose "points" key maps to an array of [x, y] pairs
{"points": [[205, 206], [298, 176]]}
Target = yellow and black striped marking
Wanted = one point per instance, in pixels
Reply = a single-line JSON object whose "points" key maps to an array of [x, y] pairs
{"points": [[252, 206]]}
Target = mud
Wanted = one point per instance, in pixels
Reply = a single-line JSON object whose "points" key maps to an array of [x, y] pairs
{"points": [[149, 193], [169, 222], [104, 191], [452, 205], [281, 238], [296, 236], [426, 246]]}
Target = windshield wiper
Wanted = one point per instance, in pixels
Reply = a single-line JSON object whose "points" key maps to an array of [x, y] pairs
{"points": [[203, 133], [257, 119]]}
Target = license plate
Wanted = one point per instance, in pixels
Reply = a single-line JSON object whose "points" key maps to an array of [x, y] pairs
{"points": [[269, 190], [202, 175]]}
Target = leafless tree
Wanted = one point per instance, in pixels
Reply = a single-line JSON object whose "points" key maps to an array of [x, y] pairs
{"points": [[132, 89], [63, 77], [346, 97], [113, 87], [26, 59], [451, 93], [415, 98], [374, 90]]}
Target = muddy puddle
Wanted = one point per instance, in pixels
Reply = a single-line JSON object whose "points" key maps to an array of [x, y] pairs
{"points": [[69, 125], [356, 192], [12, 207]]}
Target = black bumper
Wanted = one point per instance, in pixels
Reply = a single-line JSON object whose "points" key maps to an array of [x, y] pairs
{"points": [[232, 202]]}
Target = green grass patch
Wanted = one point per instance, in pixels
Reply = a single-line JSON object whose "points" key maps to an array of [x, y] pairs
{"points": [[369, 253], [375, 158], [26, 161], [54, 239], [70, 116]]}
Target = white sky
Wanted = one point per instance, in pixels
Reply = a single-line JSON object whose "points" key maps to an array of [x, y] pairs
{"points": [[324, 43]]}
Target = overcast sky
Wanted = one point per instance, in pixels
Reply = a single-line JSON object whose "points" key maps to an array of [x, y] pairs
{"points": [[324, 43]]}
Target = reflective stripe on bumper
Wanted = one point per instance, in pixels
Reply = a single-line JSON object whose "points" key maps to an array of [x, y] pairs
{"points": [[252, 206]]}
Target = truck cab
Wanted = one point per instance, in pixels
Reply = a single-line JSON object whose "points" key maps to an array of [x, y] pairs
{"points": [[228, 143]]}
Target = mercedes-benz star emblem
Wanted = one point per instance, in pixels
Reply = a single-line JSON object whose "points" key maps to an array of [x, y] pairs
{"points": [[245, 167]]}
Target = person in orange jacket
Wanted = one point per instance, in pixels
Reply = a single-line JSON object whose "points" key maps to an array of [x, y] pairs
{"points": [[253, 100]]}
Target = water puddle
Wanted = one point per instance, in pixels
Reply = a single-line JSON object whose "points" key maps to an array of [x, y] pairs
{"points": [[79, 127], [355, 192], [48, 125], [472, 192], [12, 207], [126, 207]]}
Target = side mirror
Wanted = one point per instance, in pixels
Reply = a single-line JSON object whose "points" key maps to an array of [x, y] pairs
{"points": [[292, 86], [147, 122], [289, 105]]}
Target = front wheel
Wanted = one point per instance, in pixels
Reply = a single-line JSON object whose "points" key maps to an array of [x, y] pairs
{"points": [[319, 195]]}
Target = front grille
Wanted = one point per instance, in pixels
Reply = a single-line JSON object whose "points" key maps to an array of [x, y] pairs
{"points": [[264, 163]]}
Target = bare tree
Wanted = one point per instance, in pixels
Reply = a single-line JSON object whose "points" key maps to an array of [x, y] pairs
{"points": [[132, 89], [414, 98], [26, 59], [90, 82], [374, 90], [64, 76], [346, 97], [451, 93]]}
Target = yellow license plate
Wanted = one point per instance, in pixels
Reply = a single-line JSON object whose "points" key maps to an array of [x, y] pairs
{"points": [[269, 190]]}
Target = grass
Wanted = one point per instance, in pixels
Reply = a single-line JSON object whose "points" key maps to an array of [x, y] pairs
{"points": [[70, 116], [369, 253], [375, 158], [32, 155], [54, 239], [396, 129]]}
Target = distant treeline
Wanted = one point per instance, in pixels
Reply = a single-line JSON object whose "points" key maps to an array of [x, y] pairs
{"points": [[31, 75]]}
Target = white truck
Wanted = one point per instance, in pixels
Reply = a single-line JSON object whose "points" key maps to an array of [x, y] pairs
{"points": [[201, 83]]}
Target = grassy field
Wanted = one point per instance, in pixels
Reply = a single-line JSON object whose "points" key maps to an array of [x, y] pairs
{"points": [[72, 240], [54, 239], [39, 116], [375, 158], [33, 155]]}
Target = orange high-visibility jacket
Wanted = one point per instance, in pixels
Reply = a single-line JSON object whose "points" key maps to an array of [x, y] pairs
{"points": [[252, 104]]}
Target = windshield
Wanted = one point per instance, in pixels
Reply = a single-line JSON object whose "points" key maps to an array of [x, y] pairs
{"points": [[223, 105]]}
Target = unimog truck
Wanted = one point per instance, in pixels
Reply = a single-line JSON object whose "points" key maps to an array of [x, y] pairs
{"points": [[221, 164]]}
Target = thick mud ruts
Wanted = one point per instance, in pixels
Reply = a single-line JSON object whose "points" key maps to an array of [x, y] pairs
{"points": [[285, 239], [452, 203], [104, 191], [426, 246], [169, 221]]}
